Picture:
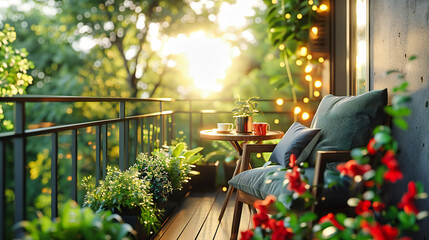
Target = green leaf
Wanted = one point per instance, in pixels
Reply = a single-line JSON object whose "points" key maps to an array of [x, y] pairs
{"points": [[399, 99], [178, 150], [392, 71], [307, 217], [192, 152], [402, 87], [382, 138], [414, 57], [420, 188], [407, 220], [400, 123], [292, 45], [281, 207]]}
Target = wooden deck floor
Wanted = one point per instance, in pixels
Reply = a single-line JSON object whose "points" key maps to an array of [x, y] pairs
{"points": [[197, 218]]}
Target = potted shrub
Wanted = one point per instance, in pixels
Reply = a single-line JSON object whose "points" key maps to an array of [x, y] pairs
{"points": [[243, 113], [78, 223], [126, 193]]}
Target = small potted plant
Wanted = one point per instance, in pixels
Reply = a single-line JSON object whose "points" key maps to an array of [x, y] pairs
{"points": [[243, 113]]}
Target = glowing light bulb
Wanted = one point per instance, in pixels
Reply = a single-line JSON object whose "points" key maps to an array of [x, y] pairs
{"points": [[308, 69], [299, 16], [258, 155], [276, 121], [308, 77], [298, 62], [305, 116], [296, 110], [287, 15], [318, 84], [273, 1], [321, 60], [310, 2], [224, 189], [306, 100], [282, 64], [281, 47], [314, 8], [316, 93], [303, 51], [314, 30], [279, 101], [309, 56], [323, 7], [272, 30]]}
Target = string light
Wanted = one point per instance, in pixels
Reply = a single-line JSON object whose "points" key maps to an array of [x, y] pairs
{"points": [[276, 121], [287, 15], [321, 60], [309, 56], [258, 155], [318, 84], [296, 110], [305, 116], [299, 16], [323, 7], [281, 47], [314, 30], [314, 8], [308, 77], [303, 51], [316, 93], [298, 62], [306, 100], [310, 2], [224, 189], [279, 101], [282, 64], [273, 1], [308, 69]]}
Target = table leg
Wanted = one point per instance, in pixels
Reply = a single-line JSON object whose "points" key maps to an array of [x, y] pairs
{"points": [[229, 192]]}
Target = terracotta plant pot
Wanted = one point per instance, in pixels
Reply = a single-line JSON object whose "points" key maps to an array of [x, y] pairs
{"points": [[244, 124]]}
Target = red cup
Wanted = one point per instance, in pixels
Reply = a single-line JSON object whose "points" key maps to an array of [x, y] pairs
{"points": [[260, 129]]}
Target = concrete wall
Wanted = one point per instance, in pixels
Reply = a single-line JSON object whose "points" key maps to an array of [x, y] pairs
{"points": [[398, 30]]}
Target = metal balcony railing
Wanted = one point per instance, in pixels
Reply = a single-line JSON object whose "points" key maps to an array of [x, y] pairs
{"points": [[151, 130]]}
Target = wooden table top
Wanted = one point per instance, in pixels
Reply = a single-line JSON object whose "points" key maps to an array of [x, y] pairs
{"points": [[234, 136]]}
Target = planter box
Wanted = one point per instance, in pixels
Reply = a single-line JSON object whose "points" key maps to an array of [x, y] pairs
{"points": [[206, 180]]}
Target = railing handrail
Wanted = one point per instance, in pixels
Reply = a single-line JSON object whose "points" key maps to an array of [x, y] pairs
{"points": [[53, 98]]}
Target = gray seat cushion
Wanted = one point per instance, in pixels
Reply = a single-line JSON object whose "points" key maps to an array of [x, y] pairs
{"points": [[347, 122], [254, 182]]}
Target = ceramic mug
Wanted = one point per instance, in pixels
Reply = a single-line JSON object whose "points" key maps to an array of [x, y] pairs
{"points": [[260, 128], [224, 126]]}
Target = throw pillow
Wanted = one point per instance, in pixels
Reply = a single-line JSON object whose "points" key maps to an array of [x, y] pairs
{"points": [[347, 122], [298, 140]]}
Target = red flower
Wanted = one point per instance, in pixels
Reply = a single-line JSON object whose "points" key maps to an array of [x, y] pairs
{"points": [[380, 232], [363, 207], [408, 199], [378, 206], [264, 205], [279, 231], [353, 168], [292, 160], [370, 147], [393, 173], [246, 235], [260, 219], [295, 182], [330, 217]]}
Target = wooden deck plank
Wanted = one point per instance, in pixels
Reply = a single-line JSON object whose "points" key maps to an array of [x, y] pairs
{"points": [[178, 221], [224, 229], [197, 221], [211, 223]]}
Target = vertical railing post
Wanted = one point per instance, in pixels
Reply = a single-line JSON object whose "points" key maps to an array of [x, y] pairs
{"points": [[104, 147], [190, 124], [162, 123], [136, 139], [173, 126], [74, 165], [142, 124], [54, 176], [122, 149], [19, 165], [2, 190], [97, 154]]}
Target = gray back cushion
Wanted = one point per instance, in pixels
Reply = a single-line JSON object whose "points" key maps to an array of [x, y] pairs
{"points": [[347, 122]]}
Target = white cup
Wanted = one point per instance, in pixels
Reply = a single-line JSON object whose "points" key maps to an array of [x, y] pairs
{"points": [[224, 126]]}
